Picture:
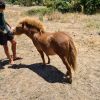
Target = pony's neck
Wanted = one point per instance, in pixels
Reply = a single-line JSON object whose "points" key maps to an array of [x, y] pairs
{"points": [[29, 35]]}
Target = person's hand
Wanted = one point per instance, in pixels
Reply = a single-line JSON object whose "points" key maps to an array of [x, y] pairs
{"points": [[12, 28]]}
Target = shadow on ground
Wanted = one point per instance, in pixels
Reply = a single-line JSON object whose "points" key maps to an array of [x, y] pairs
{"points": [[48, 72], [3, 63]]}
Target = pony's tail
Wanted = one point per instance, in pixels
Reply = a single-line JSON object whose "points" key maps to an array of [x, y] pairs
{"points": [[72, 55]]}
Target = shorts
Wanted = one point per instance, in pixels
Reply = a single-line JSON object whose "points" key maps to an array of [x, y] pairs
{"points": [[6, 37]]}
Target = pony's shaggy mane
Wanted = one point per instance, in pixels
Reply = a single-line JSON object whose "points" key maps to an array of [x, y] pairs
{"points": [[33, 22]]}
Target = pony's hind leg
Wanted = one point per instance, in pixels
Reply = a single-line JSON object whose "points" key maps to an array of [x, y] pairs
{"points": [[68, 74]]}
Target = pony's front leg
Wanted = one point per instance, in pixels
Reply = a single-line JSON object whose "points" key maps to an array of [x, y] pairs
{"points": [[48, 59], [42, 56]]}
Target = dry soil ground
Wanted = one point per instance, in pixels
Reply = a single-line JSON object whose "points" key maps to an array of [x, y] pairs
{"points": [[31, 81]]}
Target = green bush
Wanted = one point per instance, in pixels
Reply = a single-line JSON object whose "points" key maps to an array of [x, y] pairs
{"points": [[86, 6], [40, 11], [63, 6], [21, 2], [98, 4], [89, 6]]}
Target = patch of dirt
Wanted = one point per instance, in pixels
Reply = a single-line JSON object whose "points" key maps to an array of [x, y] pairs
{"points": [[29, 80]]}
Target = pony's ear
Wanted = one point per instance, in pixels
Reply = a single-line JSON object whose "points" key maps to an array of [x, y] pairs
{"points": [[24, 26], [29, 28]]}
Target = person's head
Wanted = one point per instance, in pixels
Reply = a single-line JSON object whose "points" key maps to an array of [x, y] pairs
{"points": [[2, 6]]}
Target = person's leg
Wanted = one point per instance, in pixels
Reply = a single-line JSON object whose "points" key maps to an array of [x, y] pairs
{"points": [[13, 47], [6, 49], [10, 37]]}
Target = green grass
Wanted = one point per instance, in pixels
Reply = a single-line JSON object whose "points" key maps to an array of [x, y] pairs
{"points": [[1, 78], [40, 11], [93, 24]]}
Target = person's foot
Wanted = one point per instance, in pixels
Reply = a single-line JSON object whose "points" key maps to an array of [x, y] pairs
{"points": [[11, 62]]}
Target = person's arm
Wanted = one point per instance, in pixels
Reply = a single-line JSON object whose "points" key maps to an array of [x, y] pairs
{"points": [[5, 21], [8, 24]]}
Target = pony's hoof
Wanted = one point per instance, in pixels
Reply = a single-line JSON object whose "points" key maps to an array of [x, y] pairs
{"points": [[67, 79], [48, 62], [70, 81]]}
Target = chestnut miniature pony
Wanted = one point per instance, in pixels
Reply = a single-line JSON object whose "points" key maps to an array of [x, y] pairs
{"points": [[59, 43]]}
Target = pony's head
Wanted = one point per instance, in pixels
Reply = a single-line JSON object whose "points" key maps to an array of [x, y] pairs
{"points": [[28, 24], [19, 29]]}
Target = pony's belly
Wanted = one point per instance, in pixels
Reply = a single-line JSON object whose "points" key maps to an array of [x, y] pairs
{"points": [[50, 52]]}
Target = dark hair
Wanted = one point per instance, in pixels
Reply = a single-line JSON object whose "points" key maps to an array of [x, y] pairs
{"points": [[2, 5]]}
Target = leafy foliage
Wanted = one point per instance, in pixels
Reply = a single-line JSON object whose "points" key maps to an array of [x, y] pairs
{"points": [[87, 6]]}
